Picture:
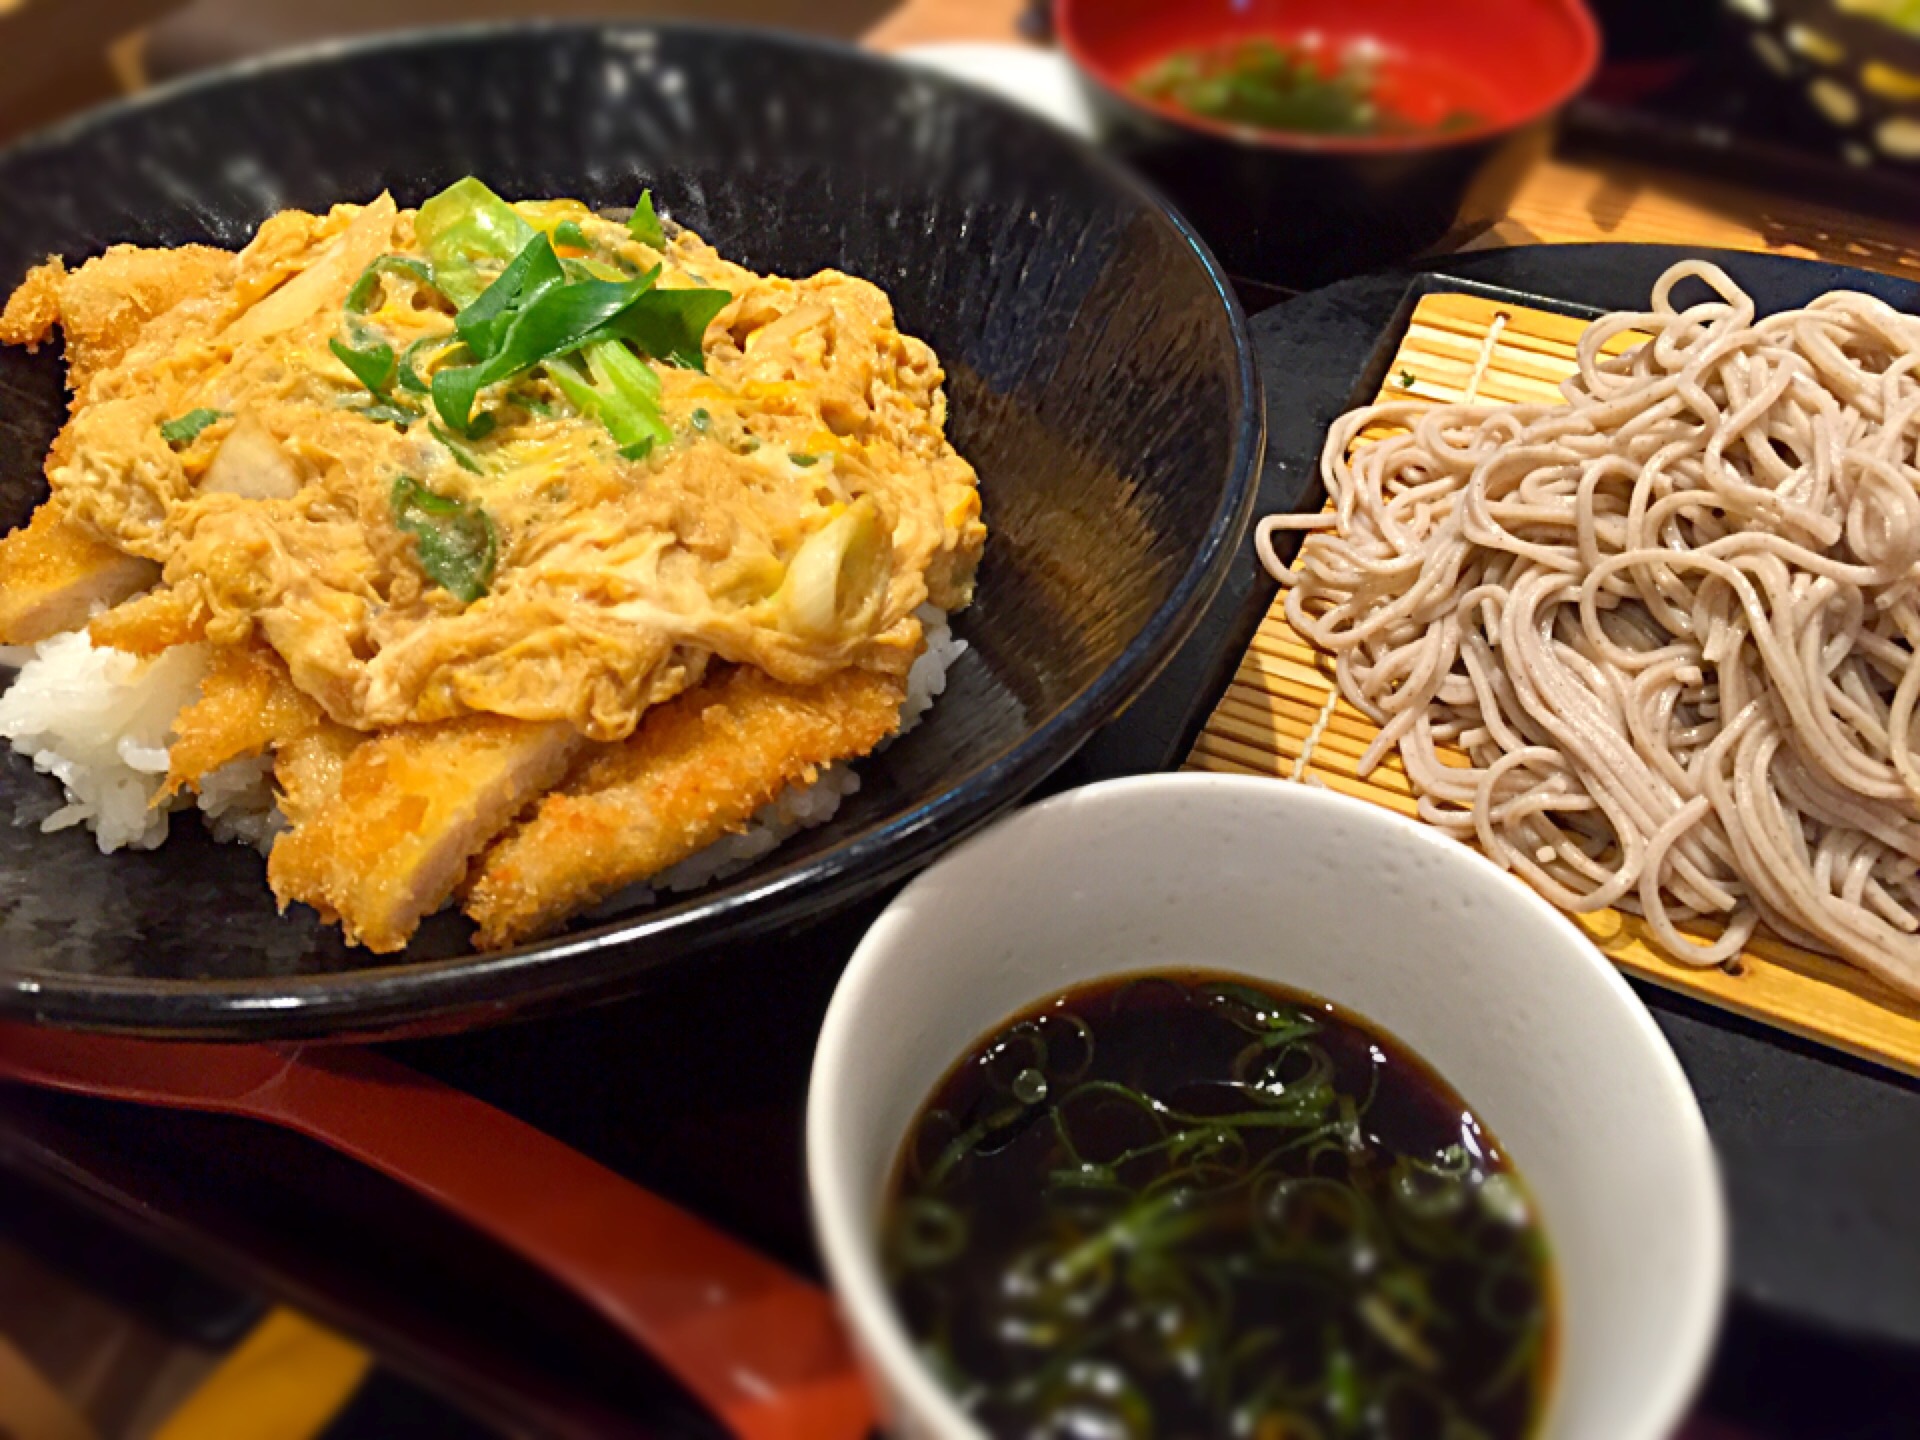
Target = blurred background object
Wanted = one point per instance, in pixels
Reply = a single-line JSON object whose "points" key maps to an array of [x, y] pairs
{"points": [[1815, 98], [1856, 61], [1649, 44], [87, 51], [80, 53], [214, 32], [1308, 140], [105, 1337]]}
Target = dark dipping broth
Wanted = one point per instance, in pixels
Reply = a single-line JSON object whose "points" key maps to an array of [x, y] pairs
{"points": [[1179, 1205]]}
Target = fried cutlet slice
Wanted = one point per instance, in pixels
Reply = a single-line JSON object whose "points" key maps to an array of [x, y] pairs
{"points": [[151, 623], [307, 768], [102, 307], [412, 807], [248, 704], [34, 308], [697, 768], [53, 573]]}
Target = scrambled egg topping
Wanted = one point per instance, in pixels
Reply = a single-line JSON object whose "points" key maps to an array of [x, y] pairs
{"points": [[278, 445]]}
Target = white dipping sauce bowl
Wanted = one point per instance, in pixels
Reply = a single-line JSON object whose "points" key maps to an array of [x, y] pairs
{"points": [[1412, 930]]}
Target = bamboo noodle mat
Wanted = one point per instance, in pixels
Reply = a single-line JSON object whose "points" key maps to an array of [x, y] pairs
{"points": [[1282, 691]]}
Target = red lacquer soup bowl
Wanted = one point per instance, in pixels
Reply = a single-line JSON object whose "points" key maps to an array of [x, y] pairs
{"points": [[1473, 86]]}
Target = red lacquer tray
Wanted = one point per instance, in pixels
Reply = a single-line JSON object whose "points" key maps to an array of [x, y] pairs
{"points": [[760, 1347]]}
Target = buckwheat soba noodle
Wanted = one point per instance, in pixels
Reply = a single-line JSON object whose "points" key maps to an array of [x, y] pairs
{"points": [[1670, 621]]}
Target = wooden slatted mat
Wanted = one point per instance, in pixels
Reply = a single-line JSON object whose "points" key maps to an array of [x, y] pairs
{"points": [[1282, 706]]}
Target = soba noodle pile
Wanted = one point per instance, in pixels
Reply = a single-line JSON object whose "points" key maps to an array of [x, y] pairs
{"points": [[1671, 622]]}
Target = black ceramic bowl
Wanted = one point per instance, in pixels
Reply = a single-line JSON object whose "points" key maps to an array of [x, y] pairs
{"points": [[1098, 369], [1299, 210]]}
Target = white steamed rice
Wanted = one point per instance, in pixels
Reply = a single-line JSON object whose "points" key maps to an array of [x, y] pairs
{"points": [[99, 722]]}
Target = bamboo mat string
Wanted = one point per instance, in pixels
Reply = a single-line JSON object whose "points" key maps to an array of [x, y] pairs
{"points": [[1307, 746], [1487, 347]]}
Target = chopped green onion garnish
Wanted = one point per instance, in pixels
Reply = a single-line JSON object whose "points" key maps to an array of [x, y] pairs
{"points": [[533, 273], [1342, 1387], [360, 297], [185, 429], [671, 325], [410, 365], [539, 311], [390, 412], [803, 461], [539, 319], [529, 315], [373, 366], [457, 542], [1406, 379], [587, 268], [622, 392], [462, 456], [644, 225], [702, 421]]}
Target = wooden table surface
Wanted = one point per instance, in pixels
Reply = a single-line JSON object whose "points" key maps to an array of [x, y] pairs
{"points": [[1562, 203]]}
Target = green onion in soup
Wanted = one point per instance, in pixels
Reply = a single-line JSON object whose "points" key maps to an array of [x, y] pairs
{"points": [[1288, 88]]}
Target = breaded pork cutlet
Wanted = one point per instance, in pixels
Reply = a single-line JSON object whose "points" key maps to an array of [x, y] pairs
{"points": [[695, 771], [413, 805], [54, 572], [442, 508]]}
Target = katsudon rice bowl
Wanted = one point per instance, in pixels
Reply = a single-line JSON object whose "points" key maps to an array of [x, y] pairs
{"points": [[505, 555]]}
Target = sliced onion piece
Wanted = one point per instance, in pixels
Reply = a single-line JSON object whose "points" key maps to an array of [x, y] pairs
{"points": [[250, 463], [355, 248], [837, 578]]}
